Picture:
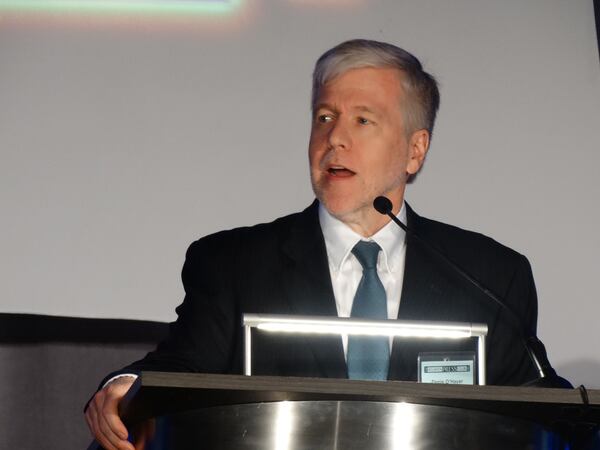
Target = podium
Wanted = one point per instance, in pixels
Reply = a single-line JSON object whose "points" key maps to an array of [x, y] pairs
{"points": [[207, 411]]}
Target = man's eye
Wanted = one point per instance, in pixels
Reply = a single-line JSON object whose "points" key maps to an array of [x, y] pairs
{"points": [[324, 118], [363, 121]]}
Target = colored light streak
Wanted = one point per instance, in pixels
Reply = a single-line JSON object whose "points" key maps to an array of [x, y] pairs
{"points": [[200, 7]]}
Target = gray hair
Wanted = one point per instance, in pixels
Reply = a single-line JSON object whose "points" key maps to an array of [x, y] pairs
{"points": [[421, 88]]}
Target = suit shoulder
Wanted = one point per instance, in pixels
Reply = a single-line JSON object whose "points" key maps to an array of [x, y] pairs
{"points": [[259, 234], [473, 245]]}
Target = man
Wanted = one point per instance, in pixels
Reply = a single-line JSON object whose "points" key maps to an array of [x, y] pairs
{"points": [[373, 114]]}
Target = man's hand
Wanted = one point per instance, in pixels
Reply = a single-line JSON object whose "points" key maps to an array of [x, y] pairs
{"points": [[102, 415]]}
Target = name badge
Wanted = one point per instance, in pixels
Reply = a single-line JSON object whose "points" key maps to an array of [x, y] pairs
{"points": [[447, 368]]}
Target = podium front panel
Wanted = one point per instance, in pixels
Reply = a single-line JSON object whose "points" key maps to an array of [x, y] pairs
{"points": [[347, 425]]}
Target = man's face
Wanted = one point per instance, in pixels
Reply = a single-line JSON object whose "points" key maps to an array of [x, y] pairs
{"points": [[358, 146]]}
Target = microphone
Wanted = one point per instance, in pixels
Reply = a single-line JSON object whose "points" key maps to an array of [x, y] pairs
{"points": [[534, 346], [384, 206]]}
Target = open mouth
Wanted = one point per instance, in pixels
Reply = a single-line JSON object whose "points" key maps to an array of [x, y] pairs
{"points": [[339, 171]]}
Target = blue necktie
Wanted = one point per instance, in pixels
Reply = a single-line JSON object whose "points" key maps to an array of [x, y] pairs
{"points": [[368, 356]]}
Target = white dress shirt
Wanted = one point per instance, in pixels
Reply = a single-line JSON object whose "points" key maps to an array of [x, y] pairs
{"points": [[346, 271]]}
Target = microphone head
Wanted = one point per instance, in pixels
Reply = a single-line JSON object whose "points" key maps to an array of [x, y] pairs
{"points": [[383, 205]]}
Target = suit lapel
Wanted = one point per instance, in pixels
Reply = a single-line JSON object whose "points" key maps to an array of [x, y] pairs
{"points": [[423, 290], [421, 282], [308, 285]]}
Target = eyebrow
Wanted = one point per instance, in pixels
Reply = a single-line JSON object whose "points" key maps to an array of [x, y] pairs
{"points": [[365, 109], [324, 106], [360, 108]]}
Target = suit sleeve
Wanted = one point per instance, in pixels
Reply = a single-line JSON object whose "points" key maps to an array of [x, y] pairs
{"points": [[508, 360]]}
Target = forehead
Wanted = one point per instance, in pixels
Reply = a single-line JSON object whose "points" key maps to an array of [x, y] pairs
{"points": [[363, 87]]}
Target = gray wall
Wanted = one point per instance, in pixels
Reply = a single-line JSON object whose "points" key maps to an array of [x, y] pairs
{"points": [[72, 372], [124, 138]]}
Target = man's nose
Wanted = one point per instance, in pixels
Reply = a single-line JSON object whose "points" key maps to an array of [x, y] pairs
{"points": [[340, 136]]}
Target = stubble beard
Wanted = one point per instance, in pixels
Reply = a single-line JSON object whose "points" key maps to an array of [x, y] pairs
{"points": [[353, 213]]}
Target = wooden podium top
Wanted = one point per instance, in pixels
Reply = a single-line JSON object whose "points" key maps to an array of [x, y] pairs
{"points": [[159, 393]]}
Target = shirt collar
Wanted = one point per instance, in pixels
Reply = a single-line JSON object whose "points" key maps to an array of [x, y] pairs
{"points": [[340, 239]]}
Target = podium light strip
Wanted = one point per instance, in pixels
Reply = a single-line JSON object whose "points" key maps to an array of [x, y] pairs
{"points": [[363, 327], [363, 330]]}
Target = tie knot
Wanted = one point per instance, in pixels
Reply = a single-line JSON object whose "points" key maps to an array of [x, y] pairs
{"points": [[366, 253]]}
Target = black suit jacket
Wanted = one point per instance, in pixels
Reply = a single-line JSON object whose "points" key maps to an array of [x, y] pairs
{"points": [[281, 268]]}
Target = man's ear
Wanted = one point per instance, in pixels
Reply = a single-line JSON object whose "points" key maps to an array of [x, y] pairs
{"points": [[418, 145]]}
